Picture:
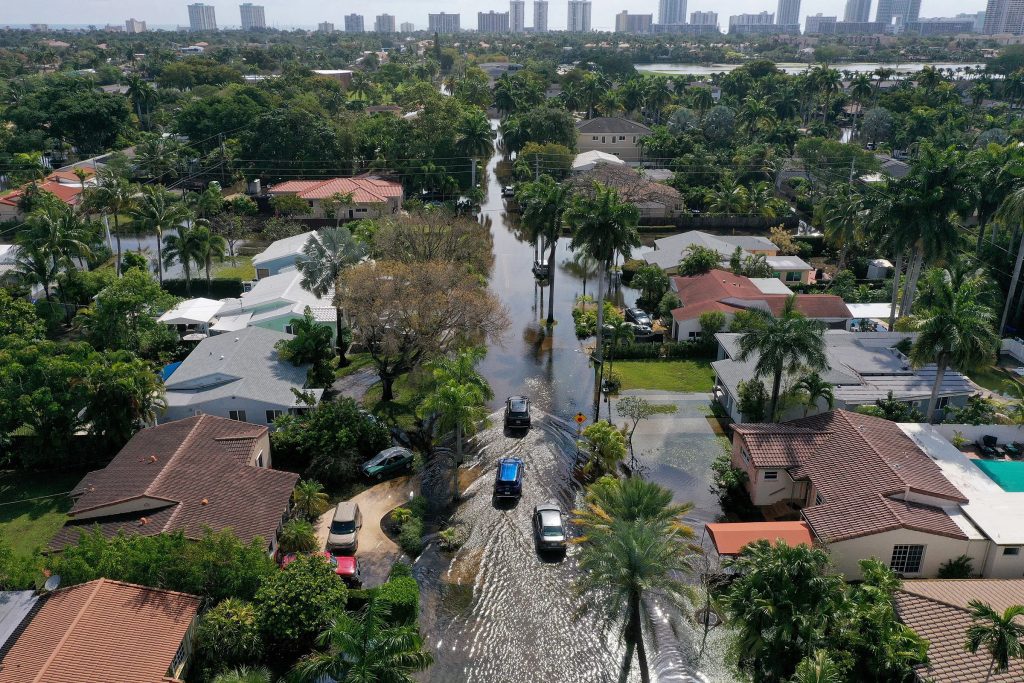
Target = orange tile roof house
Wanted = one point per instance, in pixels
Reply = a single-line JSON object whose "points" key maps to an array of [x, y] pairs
{"points": [[938, 611], [188, 475], [103, 631], [864, 487], [730, 537], [64, 185], [371, 197]]}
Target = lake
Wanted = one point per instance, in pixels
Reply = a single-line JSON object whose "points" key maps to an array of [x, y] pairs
{"points": [[795, 67]]}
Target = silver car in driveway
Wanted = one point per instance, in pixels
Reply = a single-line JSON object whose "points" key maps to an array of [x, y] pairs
{"points": [[549, 526], [343, 536]]}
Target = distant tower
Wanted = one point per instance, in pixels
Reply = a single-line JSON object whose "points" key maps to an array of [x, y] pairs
{"points": [[857, 10], [788, 13], [354, 23], [325, 27], [202, 17], [252, 16], [384, 23], [540, 16], [408, 27], [906, 10], [135, 26], [579, 16], [517, 16], [671, 12]]}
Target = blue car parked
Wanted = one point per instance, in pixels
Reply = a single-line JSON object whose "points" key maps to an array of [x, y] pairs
{"points": [[508, 482]]}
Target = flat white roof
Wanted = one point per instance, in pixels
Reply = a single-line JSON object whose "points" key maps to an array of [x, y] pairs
{"points": [[232, 323], [997, 513], [191, 312], [871, 310], [770, 285]]}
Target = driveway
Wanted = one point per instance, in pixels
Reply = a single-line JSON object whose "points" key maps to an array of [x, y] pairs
{"points": [[356, 384], [376, 551]]}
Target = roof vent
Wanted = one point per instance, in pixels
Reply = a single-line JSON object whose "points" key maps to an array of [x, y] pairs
{"points": [[143, 521], [152, 458], [222, 357], [204, 501], [236, 338]]}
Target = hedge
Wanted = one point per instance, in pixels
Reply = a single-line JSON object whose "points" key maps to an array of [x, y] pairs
{"points": [[411, 537], [220, 288], [358, 598], [403, 594], [400, 569], [676, 350]]}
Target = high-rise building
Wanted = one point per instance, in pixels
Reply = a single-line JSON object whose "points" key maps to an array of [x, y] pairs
{"points": [[354, 23], [325, 27], [517, 16], [443, 23], [904, 10], [540, 16], [671, 12], [704, 18], [762, 23], [860, 28], [579, 16], [202, 17], [788, 12], [252, 16], [819, 25], [633, 23], [978, 17], [407, 27], [384, 23], [1004, 16], [857, 10], [135, 26], [941, 26], [492, 22]]}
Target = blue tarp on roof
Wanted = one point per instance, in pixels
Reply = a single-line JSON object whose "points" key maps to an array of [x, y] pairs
{"points": [[168, 370]]}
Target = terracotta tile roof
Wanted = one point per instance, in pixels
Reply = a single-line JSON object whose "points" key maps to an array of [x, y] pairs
{"points": [[69, 194], [694, 310], [861, 469], [364, 189], [730, 537], [627, 181], [101, 631], [735, 291], [69, 176], [811, 305], [937, 611], [194, 468]]}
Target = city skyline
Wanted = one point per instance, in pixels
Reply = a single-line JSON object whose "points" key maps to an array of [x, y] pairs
{"points": [[308, 14]]}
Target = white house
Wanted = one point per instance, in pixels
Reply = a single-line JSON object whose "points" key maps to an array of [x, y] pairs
{"points": [[668, 251], [192, 315], [613, 135], [239, 376], [586, 161], [280, 255]]}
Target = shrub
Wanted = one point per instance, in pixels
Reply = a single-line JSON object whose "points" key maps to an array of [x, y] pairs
{"points": [[358, 598], [411, 537], [399, 569], [418, 506], [401, 515], [956, 568], [753, 398], [403, 594], [297, 536], [228, 635]]}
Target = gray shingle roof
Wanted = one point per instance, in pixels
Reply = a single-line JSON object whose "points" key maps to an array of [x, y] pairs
{"points": [[612, 124], [288, 246]]}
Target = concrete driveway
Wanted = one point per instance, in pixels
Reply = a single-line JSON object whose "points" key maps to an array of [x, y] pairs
{"points": [[376, 551]]}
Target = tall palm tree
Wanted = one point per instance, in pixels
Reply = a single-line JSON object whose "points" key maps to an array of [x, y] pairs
{"points": [[460, 408], [957, 330], [462, 369], [657, 95], [325, 254], [816, 389], [623, 568], [186, 248], [1012, 211], [729, 198], [702, 99], [211, 246], [367, 647], [755, 114], [860, 91], [829, 82], [543, 205], [630, 500], [819, 668], [309, 500], [1000, 634], [35, 267], [244, 674], [844, 217], [475, 139], [55, 236], [156, 210], [115, 196], [603, 225], [784, 344], [617, 333]]}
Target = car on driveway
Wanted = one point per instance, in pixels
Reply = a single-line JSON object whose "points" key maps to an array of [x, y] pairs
{"points": [[549, 526], [517, 411], [508, 480], [639, 316], [388, 462], [345, 566], [343, 536]]}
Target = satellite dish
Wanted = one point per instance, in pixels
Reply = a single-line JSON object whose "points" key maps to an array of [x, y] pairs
{"points": [[52, 583]]}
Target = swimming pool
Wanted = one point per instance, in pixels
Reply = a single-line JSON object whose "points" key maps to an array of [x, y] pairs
{"points": [[1009, 475]]}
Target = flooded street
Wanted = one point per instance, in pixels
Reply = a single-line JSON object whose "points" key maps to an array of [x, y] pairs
{"points": [[496, 610]]}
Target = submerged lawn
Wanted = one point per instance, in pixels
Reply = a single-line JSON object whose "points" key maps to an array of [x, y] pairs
{"points": [[665, 375], [31, 524]]}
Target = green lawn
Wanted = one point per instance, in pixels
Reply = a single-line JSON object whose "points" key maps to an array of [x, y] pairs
{"points": [[31, 524], [995, 379], [356, 362], [665, 375], [401, 411], [242, 268]]}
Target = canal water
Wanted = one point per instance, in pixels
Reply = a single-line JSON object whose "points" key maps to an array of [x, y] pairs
{"points": [[495, 610]]}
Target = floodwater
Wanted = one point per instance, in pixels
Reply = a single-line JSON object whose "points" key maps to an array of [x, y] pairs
{"points": [[146, 244], [796, 68], [496, 610]]}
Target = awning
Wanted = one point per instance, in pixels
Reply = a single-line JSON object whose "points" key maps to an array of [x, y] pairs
{"points": [[232, 323], [730, 537]]}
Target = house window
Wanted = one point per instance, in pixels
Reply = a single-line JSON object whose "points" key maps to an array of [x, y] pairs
{"points": [[262, 273], [288, 329], [1011, 551], [273, 415], [943, 402], [695, 335], [594, 138], [794, 276], [622, 138], [237, 415], [771, 474], [259, 459], [906, 559], [746, 456]]}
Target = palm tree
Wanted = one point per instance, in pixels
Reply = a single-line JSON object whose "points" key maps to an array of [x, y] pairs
{"points": [[297, 536], [156, 210], [816, 388], [35, 267], [957, 330], [186, 248], [325, 254], [603, 225], [1000, 634], [367, 647], [460, 408], [623, 568], [844, 216], [210, 246], [630, 500], [729, 198], [828, 82], [755, 114], [657, 96], [819, 668], [55, 236], [543, 204], [462, 369], [617, 333], [589, 90], [114, 195], [860, 91], [244, 674], [702, 99], [781, 344], [1012, 211], [142, 96], [474, 139], [309, 500]]}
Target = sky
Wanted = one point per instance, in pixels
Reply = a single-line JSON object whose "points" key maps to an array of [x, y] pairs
{"points": [[308, 13]]}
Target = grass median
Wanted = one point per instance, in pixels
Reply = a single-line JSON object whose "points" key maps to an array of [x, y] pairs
{"points": [[684, 376]]}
